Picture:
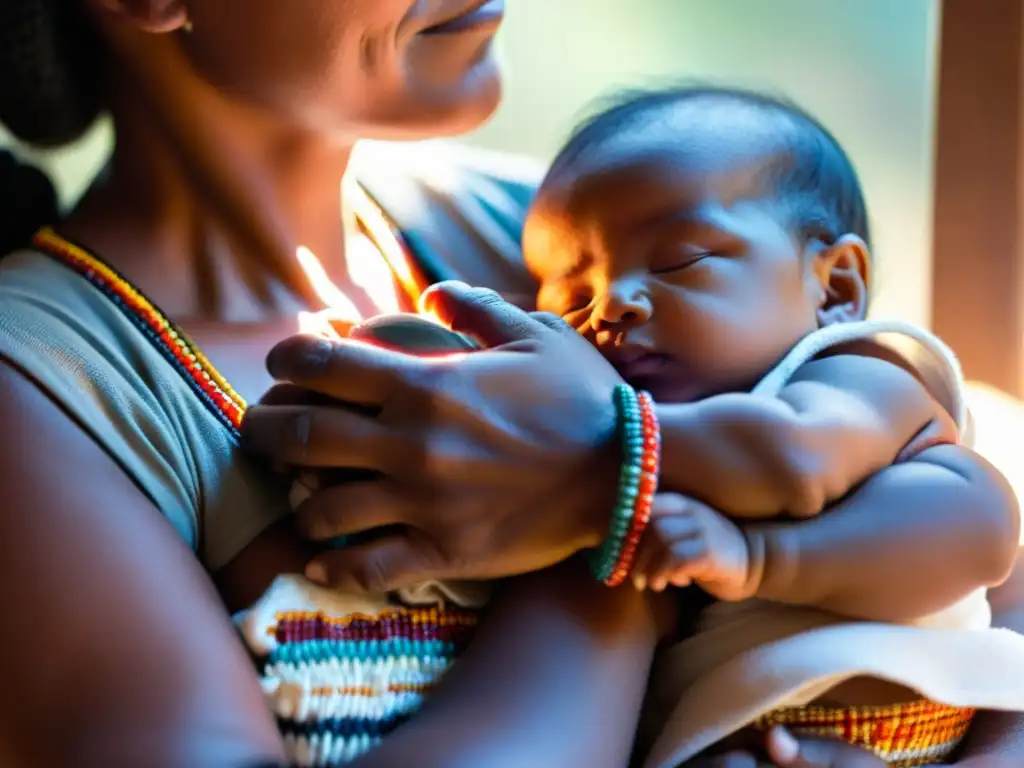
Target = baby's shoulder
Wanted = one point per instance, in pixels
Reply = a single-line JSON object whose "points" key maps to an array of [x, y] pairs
{"points": [[876, 351]]}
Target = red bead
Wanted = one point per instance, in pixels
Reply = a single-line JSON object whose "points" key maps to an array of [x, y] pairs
{"points": [[648, 484]]}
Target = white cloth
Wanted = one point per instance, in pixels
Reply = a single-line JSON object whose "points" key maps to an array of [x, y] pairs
{"points": [[752, 657]]}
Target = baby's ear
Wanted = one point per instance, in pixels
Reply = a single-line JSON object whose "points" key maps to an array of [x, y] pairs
{"points": [[843, 270], [157, 16]]}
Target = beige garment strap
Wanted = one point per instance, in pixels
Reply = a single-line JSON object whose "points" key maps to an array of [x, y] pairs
{"points": [[940, 357]]}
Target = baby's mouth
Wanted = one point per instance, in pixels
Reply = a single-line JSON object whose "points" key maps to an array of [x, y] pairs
{"points": [[637, 365]]}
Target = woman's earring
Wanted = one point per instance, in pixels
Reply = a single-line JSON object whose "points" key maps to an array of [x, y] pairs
{"points": [[186, 27]]}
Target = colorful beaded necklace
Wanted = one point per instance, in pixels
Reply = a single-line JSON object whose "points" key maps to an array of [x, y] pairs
{"points": [[174, 344]]}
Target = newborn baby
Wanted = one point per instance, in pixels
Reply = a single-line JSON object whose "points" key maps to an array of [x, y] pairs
{"points": [[713, 245]]}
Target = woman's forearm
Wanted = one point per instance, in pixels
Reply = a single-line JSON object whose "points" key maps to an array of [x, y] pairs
{"points": [[883, 554], [554, 678]]}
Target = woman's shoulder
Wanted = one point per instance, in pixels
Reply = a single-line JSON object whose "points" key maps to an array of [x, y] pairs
{"points": [[85, 353], [72, 343], [461, 207]]}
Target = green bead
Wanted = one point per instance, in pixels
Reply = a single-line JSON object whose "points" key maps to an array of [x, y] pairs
{"points": [[622, 509], [630, 474], [629, 414]]}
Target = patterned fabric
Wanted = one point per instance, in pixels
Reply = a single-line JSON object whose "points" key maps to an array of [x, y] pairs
{"points": [[209, 386], [342, 671], [340, 684], [904, 735]]}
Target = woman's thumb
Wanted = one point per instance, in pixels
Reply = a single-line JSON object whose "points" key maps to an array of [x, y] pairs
{"points": [[783, 748], [480, 313]]}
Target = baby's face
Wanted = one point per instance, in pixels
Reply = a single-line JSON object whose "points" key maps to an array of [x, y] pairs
{"points": [[678, 267]]}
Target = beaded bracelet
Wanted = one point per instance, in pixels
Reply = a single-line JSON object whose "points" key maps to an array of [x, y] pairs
{"points": [[640, 437]]}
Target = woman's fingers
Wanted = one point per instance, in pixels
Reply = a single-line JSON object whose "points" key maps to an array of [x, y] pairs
{"points": [[319, 436], [284, 393], [348, 508], [348, 371], [788, 751], [391, 562], [736, 759], [481, 313]]}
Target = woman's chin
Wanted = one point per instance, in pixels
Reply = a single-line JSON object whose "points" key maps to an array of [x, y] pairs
{"points": [[466, 109], [450, 106]]}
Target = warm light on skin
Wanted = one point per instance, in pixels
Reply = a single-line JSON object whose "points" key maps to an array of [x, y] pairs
{"points": [[999, 432], [316, 324], [337, 304], [426, 314], [370, 274], [375, 263], [332, 296]]}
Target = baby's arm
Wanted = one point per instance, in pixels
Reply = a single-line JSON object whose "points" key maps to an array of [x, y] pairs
{"points": [[839, 420], [910, 541]]}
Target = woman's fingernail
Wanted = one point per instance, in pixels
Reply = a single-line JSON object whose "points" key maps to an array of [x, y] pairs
{"points": [[787, 748], [640, 582], [429, 297], [317, 573]]}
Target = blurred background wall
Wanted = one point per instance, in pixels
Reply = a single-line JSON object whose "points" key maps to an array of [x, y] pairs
{"points": [[865, 67]]}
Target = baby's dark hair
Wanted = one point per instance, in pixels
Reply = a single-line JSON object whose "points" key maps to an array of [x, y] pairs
{"points": [[810, 171], [52, 89]]}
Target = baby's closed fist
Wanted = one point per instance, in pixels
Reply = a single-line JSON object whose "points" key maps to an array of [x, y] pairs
{"points": [[686, 543]]}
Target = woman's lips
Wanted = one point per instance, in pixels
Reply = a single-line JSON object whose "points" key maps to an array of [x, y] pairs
{"points": [[482, 14]]}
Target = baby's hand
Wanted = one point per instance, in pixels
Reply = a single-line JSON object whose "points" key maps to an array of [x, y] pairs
{"points": [[687, 542]]}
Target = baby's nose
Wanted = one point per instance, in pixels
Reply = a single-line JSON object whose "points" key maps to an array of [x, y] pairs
{"points": [[625, 303]]}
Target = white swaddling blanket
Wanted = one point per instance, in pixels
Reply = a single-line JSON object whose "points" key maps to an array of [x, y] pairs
{"points": [[750, 658]]}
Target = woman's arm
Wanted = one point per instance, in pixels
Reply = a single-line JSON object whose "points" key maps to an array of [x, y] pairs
{"points": [[884, 552], [555, 678], [117, 650]]}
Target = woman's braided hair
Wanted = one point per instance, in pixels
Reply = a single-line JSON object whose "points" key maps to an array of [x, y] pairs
{"points": [[51, 91]]}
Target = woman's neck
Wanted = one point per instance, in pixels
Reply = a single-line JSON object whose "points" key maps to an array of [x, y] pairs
{"points": [[206, 204]]}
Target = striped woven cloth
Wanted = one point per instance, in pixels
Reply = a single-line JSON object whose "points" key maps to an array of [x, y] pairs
{"points": [[904, 735], [340, 672]]}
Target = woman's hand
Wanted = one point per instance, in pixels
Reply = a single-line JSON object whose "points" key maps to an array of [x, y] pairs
{"points": [[784, 750], [492, 463]]}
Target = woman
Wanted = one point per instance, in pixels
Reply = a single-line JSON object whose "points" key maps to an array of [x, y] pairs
{"points": [[235, 123]]}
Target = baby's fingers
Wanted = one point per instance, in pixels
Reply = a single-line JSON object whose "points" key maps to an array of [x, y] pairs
{"points": [[665, 561], [649, 560], [688, 562]]}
